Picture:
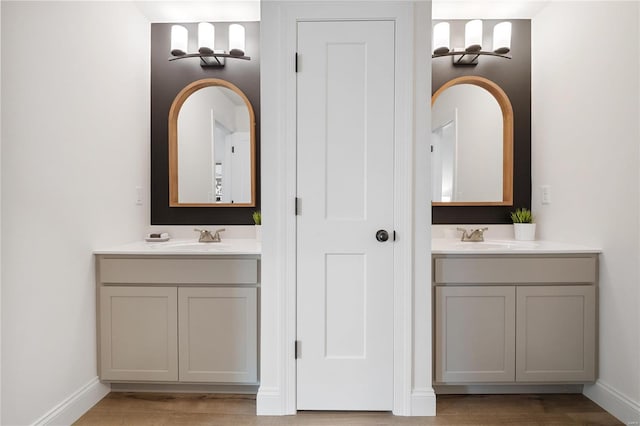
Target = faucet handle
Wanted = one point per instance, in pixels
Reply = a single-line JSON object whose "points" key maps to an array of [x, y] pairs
{"points": [[216, 235], [472, 234], [205, 236], [465, 233]]}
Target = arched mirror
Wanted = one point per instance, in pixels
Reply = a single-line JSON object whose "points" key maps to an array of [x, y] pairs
{"points": [[472, 144], [211, 147]]}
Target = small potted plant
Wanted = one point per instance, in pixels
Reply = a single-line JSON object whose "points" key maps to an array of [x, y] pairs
{"points": [[257, 219], [523, 227]]}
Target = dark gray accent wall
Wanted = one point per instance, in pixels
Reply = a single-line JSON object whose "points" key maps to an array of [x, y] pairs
{"points": [[514, 76], [167, 79]]}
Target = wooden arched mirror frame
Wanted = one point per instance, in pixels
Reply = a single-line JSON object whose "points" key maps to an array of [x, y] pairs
{"points": [[507, 135], [207, 121]]}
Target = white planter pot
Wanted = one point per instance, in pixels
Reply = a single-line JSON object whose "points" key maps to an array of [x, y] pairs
{"points": [[524, 231], [258, 232]]}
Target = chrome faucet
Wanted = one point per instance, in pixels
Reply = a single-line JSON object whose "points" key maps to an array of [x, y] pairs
{"points": [[472, 235], [206, 237]]}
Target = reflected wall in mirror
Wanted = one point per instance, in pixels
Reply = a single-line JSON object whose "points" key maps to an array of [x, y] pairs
{"points": [[472, 144], [211, 146]]}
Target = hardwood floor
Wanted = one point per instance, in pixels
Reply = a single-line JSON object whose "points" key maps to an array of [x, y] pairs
{"points": [[217, 409]]}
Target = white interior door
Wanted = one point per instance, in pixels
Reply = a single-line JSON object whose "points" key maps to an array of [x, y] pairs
{"points": [[241, 167], [345, 142]]}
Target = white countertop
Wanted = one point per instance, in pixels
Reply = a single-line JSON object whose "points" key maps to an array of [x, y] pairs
{"points": [[190, 247], [505, 246], [245, 246]]}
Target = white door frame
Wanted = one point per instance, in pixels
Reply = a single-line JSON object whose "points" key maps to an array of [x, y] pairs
{"points": [[413, 393]]}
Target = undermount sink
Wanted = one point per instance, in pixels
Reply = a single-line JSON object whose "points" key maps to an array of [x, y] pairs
{"points": [[493, 245], [483, 245], [193, 246]]}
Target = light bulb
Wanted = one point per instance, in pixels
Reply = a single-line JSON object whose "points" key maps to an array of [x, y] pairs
{"points": [[473, 36], [206, 37], [441, 40], [236, 40], [502, 38], [179, 38]]}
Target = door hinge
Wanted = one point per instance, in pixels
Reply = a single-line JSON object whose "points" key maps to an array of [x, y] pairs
{"points": [[298, 349], [431, 148], [394, 235], [298, 206], [296, 62], [233, 149]]}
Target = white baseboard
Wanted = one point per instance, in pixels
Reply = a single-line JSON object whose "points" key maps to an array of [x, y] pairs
{"points": [[78, 403], [619, 405], [423, 402], [269, 402]]}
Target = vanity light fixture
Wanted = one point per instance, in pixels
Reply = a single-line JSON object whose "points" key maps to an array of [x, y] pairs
{"points": [[473, 42], [209, 57]]}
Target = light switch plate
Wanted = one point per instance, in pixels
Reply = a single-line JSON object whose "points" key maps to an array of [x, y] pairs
{"points": [[546, 194], [138, 195]]}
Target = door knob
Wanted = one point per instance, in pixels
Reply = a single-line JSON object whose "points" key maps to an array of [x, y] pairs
{"points": [[382, 235]]}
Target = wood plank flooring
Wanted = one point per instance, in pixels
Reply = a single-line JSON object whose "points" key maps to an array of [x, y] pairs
{"points": [[219, 409]]}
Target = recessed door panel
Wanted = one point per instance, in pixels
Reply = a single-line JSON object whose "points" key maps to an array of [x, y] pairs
{"points": [[345, 328], [346, 141]]}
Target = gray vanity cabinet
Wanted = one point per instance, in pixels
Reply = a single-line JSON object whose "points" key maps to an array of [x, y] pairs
{"points": [[475, 334], [178, 319], [515, 319], [138, 329], [217, 340], [556, 332]]}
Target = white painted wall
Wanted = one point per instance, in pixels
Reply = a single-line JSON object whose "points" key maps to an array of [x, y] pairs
{"points": [[585, 144], [75, 143], [274, 376], [242, 119], [422, 394], [0, 214]]}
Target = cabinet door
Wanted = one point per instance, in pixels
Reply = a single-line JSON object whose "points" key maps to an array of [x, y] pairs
{"points": [[475, 334], [138, 333], [218, 334], [555, 334]]}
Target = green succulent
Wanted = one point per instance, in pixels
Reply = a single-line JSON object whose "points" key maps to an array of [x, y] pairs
{"points": [[257, 218], [522, 215]]}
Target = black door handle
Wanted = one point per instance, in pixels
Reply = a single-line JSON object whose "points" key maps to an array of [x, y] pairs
{"points": [[382, 235]]}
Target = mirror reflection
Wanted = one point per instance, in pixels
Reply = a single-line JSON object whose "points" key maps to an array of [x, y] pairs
{"points": [[472, 140], [466, 130], [211, 146]]}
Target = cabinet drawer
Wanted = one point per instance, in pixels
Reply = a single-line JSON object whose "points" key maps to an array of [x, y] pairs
{"points": [[178, 271], [513, 270]]}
